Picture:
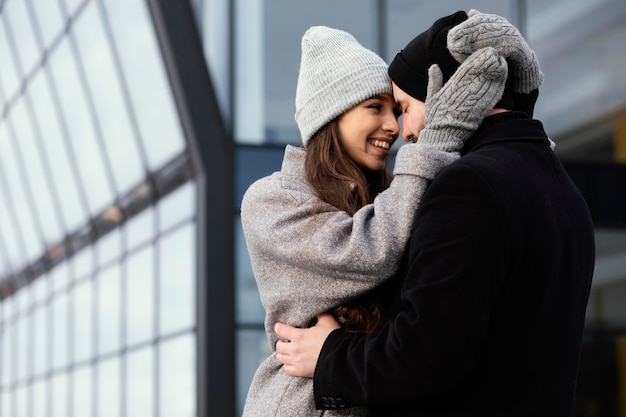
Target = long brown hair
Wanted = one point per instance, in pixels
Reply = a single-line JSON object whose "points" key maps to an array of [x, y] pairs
{"points": [[338, 181]]}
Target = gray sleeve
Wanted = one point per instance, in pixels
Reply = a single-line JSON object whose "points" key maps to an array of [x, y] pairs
{"points": [[313, 262]]}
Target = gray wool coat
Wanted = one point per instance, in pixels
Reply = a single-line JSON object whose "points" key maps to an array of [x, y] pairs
{"points": [[306, 263]]}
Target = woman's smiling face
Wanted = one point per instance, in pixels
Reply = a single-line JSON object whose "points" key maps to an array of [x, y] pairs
{"points": [[368, 130]]}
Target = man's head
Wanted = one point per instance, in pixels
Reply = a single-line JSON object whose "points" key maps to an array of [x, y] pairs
{"points": [[409, 68], [409, 72]]}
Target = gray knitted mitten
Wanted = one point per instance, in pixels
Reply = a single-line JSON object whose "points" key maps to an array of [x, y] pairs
{"points": [[455, 110], [481, 30]]}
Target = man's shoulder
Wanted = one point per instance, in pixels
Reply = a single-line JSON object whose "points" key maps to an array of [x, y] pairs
{"points": [[483, 172]]}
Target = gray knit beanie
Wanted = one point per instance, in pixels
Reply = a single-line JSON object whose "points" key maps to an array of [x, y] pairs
{"points": [[336, 73]]}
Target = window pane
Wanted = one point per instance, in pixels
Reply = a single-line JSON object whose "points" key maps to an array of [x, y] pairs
{"points": [[23, 34], [49, 20], [177, 277], [109, 384], [23, 348], [109, 247], [60, 276], [38, 178], [177, 206], [112, 110], [20, 401], [140, 384], [146, 79], [217, 51], [109, 305], [5, 404], [7, 227], [82, 135], [22, 298], [249, 95], [59, 396], [82, 392], [39, 399], [83, 321], [140, 296], [83, 263], [64, 178], [41, 346], [5, 267], [140, 228], [40, 289], [71, 6], [252, 163], [177, 377], [7, 357], [26, 228], [8, 306], [8, 75], [59, 333]]}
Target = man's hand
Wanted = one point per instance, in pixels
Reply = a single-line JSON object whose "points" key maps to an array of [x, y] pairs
{"points": [[454, 110], [298, 349], [483, 30]]}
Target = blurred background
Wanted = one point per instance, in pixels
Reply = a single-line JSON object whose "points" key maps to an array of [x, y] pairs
{"points": [[129, 130]]}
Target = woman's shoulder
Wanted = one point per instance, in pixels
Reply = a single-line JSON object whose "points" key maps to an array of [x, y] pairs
{"points": [[278, 188], [279, 181], [290, 177]]}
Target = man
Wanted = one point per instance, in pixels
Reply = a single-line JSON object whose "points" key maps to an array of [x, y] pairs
{"points": [[496, 277]]}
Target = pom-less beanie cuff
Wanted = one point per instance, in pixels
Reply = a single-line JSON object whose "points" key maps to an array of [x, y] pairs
{"points": [[336, 73], [339, 96], [408, 79]]}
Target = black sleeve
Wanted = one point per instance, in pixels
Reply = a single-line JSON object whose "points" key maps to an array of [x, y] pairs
{"points": [[456, 255]]}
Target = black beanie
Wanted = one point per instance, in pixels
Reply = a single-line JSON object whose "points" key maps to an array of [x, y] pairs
{"points": [[409, 68]]}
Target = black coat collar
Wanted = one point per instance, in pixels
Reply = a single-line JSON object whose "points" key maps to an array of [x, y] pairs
{"points": [[504, 127]]}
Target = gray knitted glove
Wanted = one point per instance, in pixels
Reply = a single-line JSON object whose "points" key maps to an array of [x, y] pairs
{"points": [[481, 30], [455, 110]]}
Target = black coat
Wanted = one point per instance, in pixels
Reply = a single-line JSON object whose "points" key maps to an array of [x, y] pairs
{"points": [[492, 296]]}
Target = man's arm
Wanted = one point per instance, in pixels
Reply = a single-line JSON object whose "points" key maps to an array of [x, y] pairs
{"points": [[448, 290]]}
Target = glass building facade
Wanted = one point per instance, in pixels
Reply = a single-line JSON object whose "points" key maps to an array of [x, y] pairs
{"points": [[129, 131]]}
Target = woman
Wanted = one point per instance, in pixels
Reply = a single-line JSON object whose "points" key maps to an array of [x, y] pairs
{"points": [[331, 226]]}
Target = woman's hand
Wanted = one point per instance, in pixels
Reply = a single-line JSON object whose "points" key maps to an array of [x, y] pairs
{"points": [[298, 349]]}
